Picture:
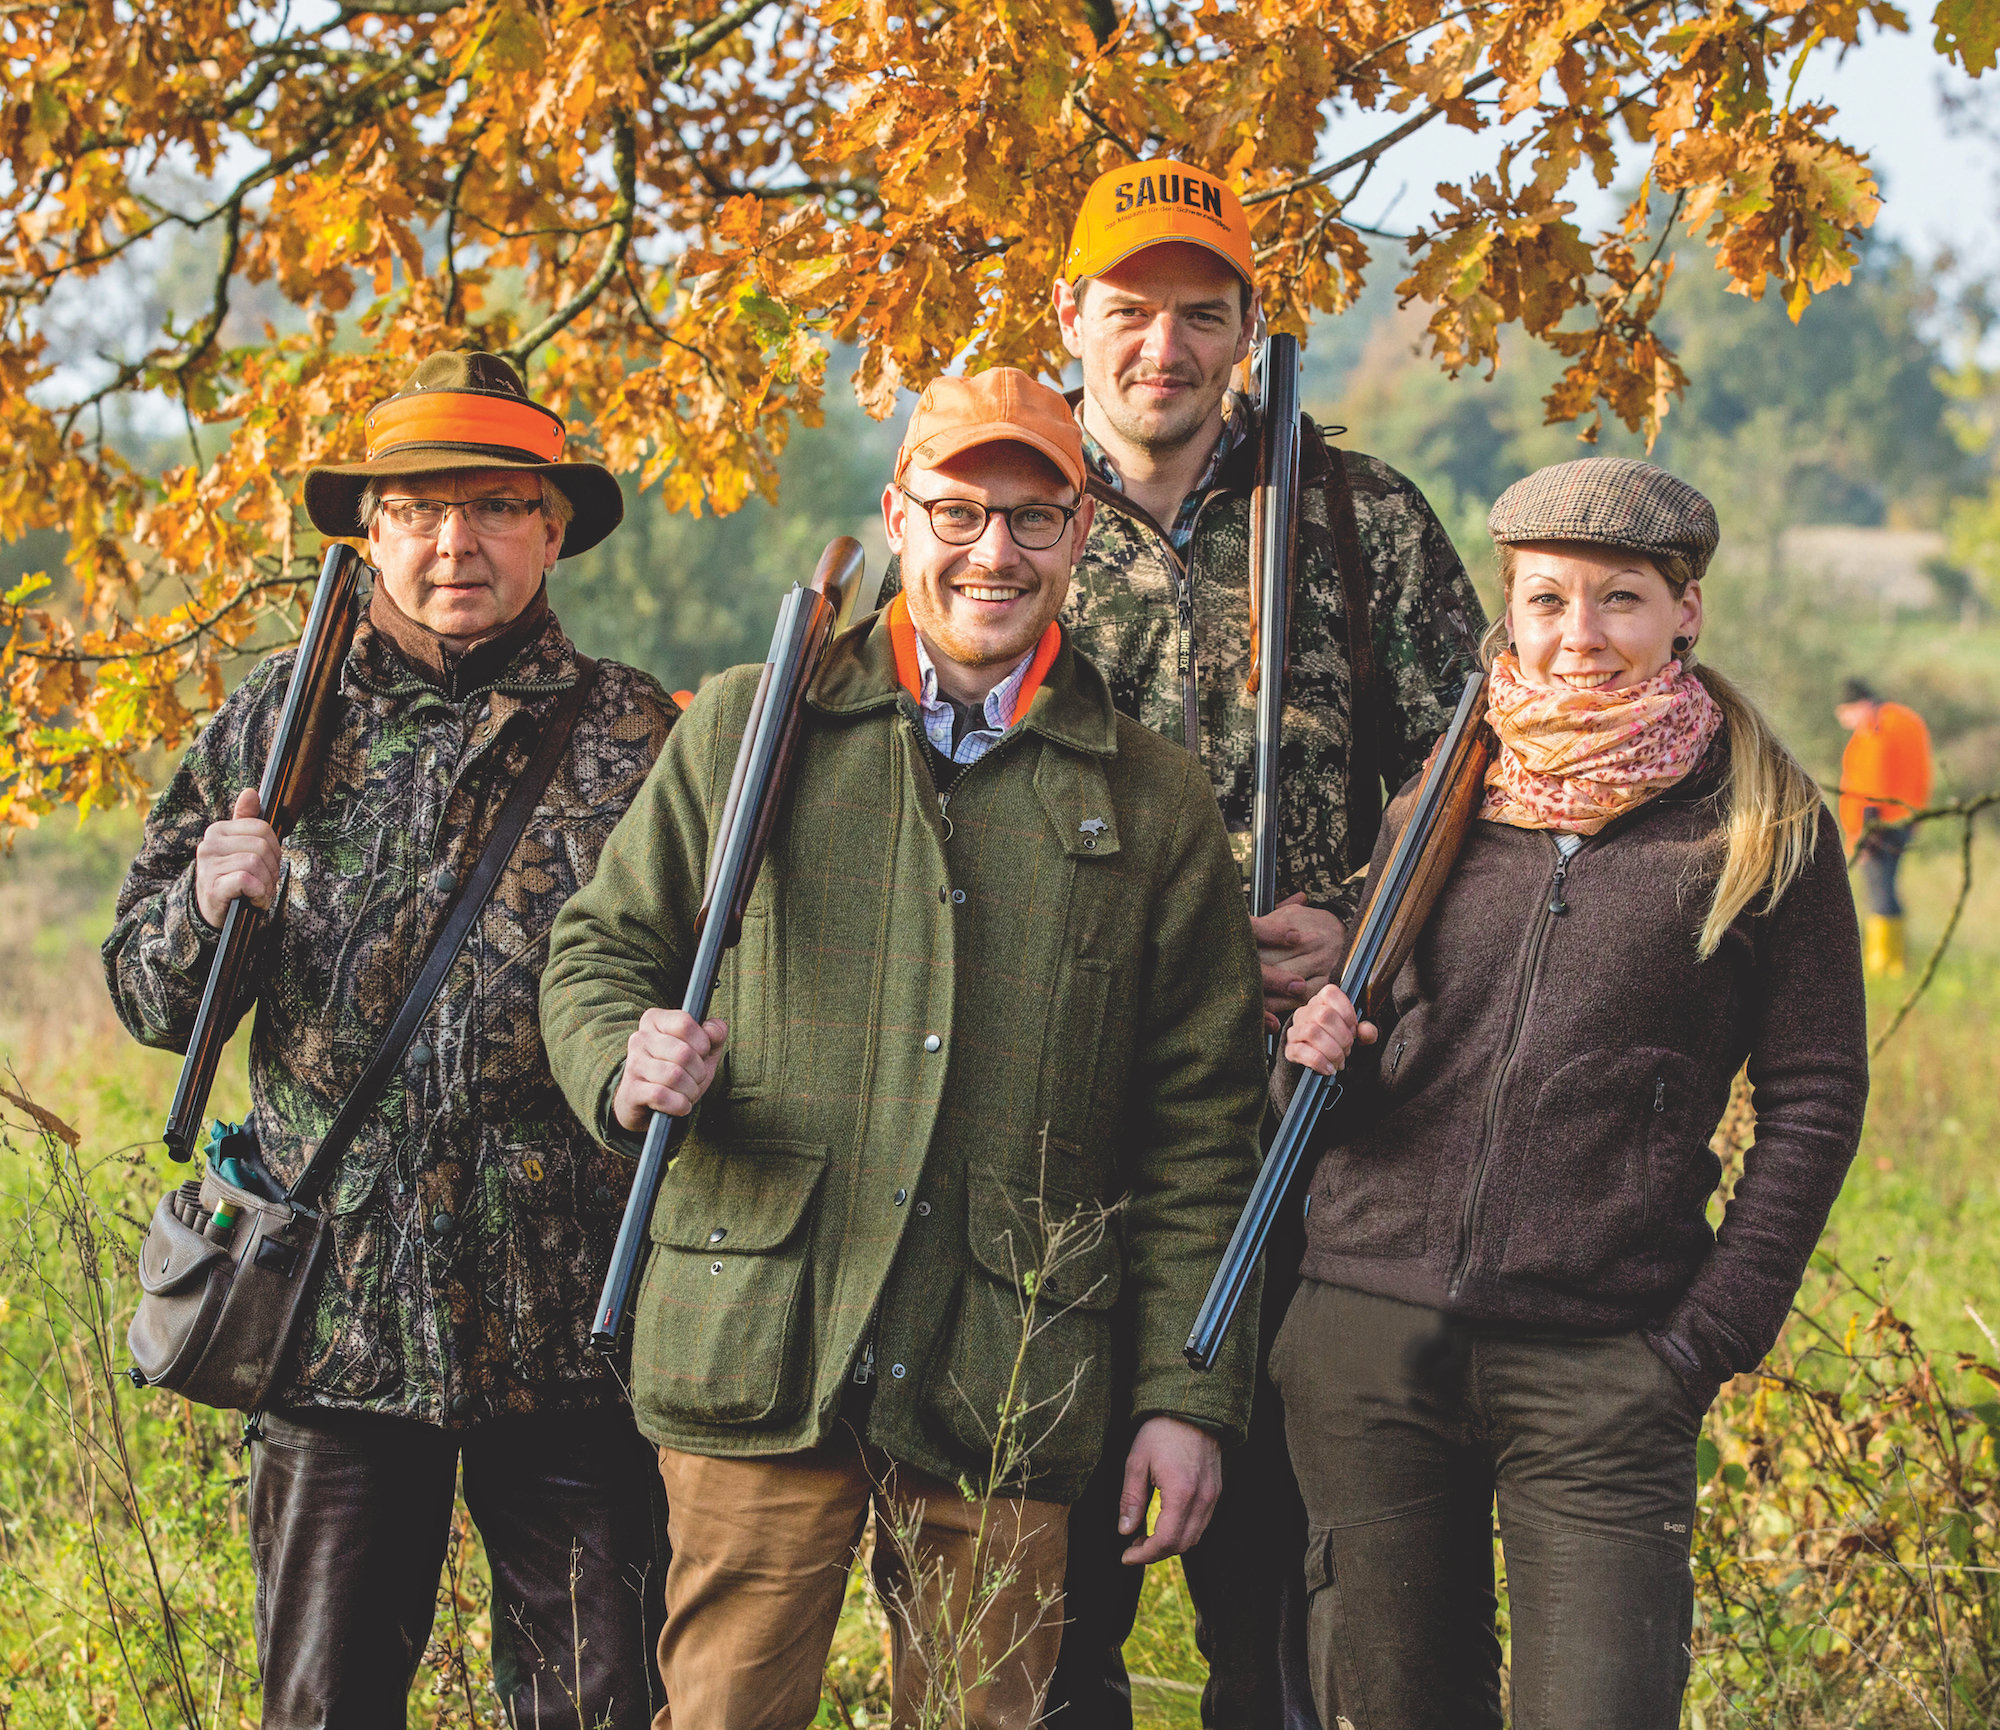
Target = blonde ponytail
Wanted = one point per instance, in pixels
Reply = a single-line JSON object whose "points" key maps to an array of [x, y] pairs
{"points": [[1771, 806], [1771, 822]]}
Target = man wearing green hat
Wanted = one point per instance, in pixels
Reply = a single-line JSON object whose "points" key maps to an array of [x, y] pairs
{"points": [[472, 1216]]}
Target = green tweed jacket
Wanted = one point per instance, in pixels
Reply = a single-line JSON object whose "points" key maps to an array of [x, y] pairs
{"points": [[951, 1030]]}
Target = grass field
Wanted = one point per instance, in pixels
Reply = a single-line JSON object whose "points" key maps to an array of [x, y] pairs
{"points": [[115, 1503]]}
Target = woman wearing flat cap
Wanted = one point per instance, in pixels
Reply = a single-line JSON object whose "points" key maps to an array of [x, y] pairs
{"points": [[1512, 1294], [472, 1216]]}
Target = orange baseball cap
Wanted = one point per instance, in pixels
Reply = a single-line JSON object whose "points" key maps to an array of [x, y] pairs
{"points": [[1145, 203], [1002, 403]]}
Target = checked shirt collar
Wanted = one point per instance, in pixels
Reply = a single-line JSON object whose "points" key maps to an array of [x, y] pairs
{"points": [[937, 711]]}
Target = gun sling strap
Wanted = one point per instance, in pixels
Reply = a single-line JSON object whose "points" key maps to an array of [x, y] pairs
{"points": [[1364, 720], [472, 898]]}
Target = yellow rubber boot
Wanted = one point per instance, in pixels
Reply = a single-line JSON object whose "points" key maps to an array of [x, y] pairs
{"points": [[1882, 947]]}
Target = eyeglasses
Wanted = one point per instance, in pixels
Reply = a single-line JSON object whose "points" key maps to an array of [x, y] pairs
{"points": [[495, 516], [960, 522]]}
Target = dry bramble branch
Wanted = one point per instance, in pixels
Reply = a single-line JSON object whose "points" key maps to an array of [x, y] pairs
{"points": [[668, 212]]}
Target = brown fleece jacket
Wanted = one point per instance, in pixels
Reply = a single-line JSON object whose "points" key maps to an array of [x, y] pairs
{"points": [[1528, 1141]]}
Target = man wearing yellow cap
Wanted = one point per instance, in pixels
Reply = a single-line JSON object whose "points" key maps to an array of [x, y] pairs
{"points": [[978, 1110], [472, 1216], [1157, 302]]}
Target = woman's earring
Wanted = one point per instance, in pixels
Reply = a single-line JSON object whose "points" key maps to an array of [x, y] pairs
{"points": [[1683, 644]]}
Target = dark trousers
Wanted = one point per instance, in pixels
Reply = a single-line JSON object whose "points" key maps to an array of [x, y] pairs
{"points": [[350, 1514], [1244, 1579], [1405, 1429], [1881, 853]]}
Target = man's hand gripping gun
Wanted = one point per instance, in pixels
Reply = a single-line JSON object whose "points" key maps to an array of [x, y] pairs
{"points": [[290, 774], [807, 620]]}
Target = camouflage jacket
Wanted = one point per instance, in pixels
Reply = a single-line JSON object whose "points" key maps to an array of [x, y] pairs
{"points": [[473, 1216], [1124, 613]]}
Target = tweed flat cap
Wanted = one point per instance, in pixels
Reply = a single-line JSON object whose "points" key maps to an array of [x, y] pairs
{"points": [[1612, 501]]}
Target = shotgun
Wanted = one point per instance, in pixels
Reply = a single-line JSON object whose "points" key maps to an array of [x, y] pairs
{"points": [[807, 619], [290, 773], [1274, 535], [1447, 799]]}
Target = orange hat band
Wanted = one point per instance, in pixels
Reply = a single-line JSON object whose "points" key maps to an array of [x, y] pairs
{"points": [[450, 417]]}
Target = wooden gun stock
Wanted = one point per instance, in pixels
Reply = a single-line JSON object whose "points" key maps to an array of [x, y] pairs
{"points": [[764, 764], [291, 771], [1397, 909], [1464, 788]]}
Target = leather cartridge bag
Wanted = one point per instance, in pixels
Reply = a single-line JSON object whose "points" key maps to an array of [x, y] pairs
{"points": [[221, 1304]]}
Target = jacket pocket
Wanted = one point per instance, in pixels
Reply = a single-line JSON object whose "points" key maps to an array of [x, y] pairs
{"points": [[720, 1335], [1584, 1181], [1041, 1295]]}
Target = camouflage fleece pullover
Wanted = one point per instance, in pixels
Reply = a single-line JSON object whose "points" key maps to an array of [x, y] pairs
{"points": [[473, 1216], [1124, 611]]}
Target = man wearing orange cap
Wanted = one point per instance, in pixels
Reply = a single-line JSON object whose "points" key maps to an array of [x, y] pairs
{"points": [[472, 1216], [1157, 303], [978, 1111]]}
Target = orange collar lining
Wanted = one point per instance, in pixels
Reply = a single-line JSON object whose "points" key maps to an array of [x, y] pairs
{"points": [[910, 674]]}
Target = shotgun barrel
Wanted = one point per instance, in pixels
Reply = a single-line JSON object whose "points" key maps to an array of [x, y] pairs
{"points": [[807, 618], [1274, 532], [1398, 906], [290, 773]]}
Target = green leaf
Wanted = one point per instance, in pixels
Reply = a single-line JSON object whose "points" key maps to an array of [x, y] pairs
{"points": [[1968, 31], [33, 583], [1707, 1457], [1735, 1476]]}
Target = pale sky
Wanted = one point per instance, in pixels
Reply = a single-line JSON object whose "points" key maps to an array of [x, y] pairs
{"points": [[1939, 189]]}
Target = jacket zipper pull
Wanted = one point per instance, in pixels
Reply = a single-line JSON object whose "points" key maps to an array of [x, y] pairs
{"points": [[944, 811], [1660, 1094], [864, 1371], [1556, 902]]}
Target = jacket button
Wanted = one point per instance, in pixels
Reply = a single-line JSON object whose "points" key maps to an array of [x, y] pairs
{"points": [[604, 1196], [461, 1404], [932, 1042], [715, 1267], [447, 880], [897, 1371], [442, 1223], [958, 897], [902, 1195], [717, 1235], [923, 1210], [420, 1056]]}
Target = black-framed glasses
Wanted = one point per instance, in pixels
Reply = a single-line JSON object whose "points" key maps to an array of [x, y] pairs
{"points": [[494, 516], [960, 522]]}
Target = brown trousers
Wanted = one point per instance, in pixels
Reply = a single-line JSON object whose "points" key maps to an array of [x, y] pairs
{"points": [[761, 1551]]}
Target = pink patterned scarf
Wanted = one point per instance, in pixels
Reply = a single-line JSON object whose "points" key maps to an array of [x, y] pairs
{"points": [[1574, 760]]}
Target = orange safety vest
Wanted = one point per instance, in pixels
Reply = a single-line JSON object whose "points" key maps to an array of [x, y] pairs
{"points": [[1885, 768]]}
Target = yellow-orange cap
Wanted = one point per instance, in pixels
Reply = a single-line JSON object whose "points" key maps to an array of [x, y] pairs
{"points": [[1148, 202], [1002, 403]]}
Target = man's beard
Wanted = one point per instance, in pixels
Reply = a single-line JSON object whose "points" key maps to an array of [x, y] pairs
{"points": [[1172, 431]]}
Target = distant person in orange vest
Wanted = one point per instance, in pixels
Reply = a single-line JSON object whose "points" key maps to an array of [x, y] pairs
{"points": [[1885, 777]]}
